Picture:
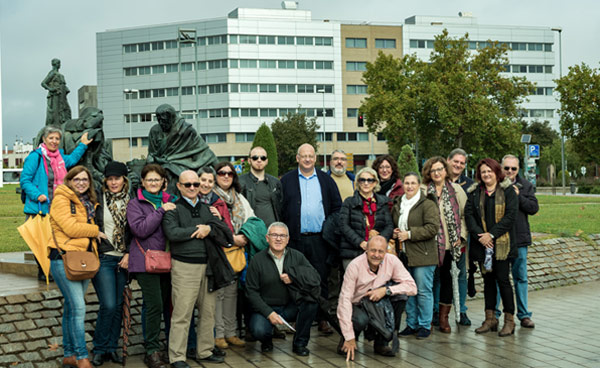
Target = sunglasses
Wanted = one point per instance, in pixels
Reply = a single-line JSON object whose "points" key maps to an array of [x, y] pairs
{"points": [[189, 185], [255, 158], [225, 173], [508, 168], [366, 180]]}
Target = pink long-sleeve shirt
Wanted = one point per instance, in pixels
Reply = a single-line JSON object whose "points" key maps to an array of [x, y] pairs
{"points": [[359, 279]]}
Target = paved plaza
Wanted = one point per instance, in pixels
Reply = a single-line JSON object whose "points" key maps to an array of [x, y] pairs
{"points": [[566, 335]]}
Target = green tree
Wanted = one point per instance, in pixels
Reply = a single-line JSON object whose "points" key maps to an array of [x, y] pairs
{"points": [[407, 161], [458, 98], [264, 138], [289, 133], [541, 133], [580, 109]]}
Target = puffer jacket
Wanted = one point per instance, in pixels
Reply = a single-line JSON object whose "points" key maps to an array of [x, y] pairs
{"points": [[68, 218], [423, 223], [353, 224]]}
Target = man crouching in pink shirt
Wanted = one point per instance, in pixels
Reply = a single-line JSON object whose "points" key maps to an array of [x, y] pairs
{"points": [[364, 277]]}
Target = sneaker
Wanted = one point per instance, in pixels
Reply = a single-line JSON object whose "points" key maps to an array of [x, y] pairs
{"points": [[407, 332], [423, 333], [464, 320]]}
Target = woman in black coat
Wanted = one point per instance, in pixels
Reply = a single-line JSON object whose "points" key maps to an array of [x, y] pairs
{"points": [[490, 213], [363, 216]]}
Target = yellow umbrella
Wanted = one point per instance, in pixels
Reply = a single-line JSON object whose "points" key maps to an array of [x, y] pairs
{"points": [[36, 232]]}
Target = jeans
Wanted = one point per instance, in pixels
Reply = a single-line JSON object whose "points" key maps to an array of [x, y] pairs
{"points": [[109, 283], [302, 314], [419, 308], [519, 274], [73, 319], [462, 281]]}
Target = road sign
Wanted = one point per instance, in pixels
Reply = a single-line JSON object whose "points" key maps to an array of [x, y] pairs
{"points": [[583, 170], [238, 168], [534, 150]]}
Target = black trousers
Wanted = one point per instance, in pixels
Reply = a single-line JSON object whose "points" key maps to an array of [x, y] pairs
{"points": [[499, 274], [360, 320], [316, 251], [446, 279]]}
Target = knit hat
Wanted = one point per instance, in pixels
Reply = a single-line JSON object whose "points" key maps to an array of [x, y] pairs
{"points": [[115, 168]]}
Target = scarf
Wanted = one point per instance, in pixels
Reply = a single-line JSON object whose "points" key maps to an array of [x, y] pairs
{"points": [[405, 207], [155, 199], [369, 207], [235, 205], [89, 206], [117, 206], [502, 243], [386, 186], [450, 211], [57, 163]]}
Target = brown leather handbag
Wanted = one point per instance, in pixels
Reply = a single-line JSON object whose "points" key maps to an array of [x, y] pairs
{"points": [[79, 265]]}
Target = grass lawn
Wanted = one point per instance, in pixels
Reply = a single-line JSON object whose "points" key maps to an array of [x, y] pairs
{"points": [[558, 215]]}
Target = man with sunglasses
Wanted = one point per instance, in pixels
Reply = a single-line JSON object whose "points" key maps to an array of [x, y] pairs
{"points": [[528, 206], [185, 228], [263, 191]]}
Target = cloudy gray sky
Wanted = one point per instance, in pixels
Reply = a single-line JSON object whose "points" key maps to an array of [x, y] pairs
{"points": [[32, 32]]}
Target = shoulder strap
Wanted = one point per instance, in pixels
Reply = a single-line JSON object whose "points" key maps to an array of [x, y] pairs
{"points": [[60, 251], [139, 246]]}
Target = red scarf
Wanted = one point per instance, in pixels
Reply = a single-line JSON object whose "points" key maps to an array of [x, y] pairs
{"points": [[369, 209]]}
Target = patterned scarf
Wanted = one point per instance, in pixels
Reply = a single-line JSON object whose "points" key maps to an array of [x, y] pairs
{"points": [[502, 243], [89, 206], [56, 163], [451, 215], [369, 209], [117, 206], [234, 203]]}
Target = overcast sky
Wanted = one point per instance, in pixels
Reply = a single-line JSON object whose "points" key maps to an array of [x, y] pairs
{"points": [[32, 32]]}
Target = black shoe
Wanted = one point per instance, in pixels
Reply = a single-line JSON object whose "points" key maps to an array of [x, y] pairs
{"points": [[218, 352], [423, 333], [464, 320], [211, 359], [180, 364], [407, 332], [98, 360], [435, 321], [113, 357], [340, 345], [384, 351], [266, 347], [301, 350]]}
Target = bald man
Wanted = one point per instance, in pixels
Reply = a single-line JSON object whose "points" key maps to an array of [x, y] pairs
{"points": [[185, 228]]}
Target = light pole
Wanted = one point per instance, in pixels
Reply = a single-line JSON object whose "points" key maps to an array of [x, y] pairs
{"points": [[324, 134], [129, 92], [562, 137], [188, 36]]}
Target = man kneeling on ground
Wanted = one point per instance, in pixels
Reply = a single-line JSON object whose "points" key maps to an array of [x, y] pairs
{"points": [[366, 277], [281, 286]]}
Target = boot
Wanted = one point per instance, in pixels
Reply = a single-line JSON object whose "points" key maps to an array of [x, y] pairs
{"points": [[490, 323], [69, 362], [84, 363], [509, 325], [444, 311]]}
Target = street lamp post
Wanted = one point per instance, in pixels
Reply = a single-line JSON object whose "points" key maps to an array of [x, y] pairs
{"points": [[130, 92], [562, 136], [324, 132]]}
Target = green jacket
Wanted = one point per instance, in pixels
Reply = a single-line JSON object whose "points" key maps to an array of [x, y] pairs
{"points": [[423, 224]]}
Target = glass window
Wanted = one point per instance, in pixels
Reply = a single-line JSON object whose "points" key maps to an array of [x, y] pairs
{"points": [[144, 70], [202, 41], [328, 137], [548, 47], [234, 87], [171, 68], [356, 43], [130, 71], [266, 40], [306, 64], [285, 40], [385, 43], [158, 69], [158, 45], [354, 66], [472, 45], [327, 87], [202, 65], [174, 91], [429, 44], [245, 87], [203, 114], [351, 113], [144, 118], [414, 44], [548, 69], [145, 93], [233, 39], [130, 48], [286, 64], [356, 89], [380, 137], [158, 92], [535, 47], [549, 91], [549, 113], [304, 41], [131, 96], [267, 64], [187, 67], [323, 41], [268, 88], [202, 90], [186, 91], [519, 68], [247, 63], [248, 39], [145, 46], [268, 112], [234, 113], [363, 137]]}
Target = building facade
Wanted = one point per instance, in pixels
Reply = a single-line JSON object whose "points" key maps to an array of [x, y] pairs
{"points": [[229, 75]]}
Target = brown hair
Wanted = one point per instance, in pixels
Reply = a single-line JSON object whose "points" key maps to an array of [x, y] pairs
{"points": [[76, 171], [492, 164], [157, 169], [426, 171], [379, 160]]}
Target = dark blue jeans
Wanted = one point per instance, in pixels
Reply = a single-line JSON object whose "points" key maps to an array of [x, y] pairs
{"points": [[109, 283], [302, 314]]}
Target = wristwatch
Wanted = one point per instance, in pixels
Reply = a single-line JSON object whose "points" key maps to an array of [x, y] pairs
{"points": [[388, 291]]}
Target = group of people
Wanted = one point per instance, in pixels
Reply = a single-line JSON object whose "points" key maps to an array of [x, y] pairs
{"points": [[283, 247]]}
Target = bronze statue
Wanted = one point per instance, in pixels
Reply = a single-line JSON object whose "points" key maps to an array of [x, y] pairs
{"points": [[58, 110], [175, 144]]}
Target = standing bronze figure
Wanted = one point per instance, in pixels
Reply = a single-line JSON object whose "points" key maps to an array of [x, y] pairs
{"points": [[58, 110]]}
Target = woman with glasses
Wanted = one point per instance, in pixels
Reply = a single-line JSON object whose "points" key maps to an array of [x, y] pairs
{"points": [[491, 211], [144, 214], [452, 231], [363, 216], [73, 229], [228, 189], [390, 182]]}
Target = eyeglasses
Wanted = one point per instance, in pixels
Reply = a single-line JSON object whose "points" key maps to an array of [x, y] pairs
{"points": [[508, 168], [383, 167], [262, 158], [367, 180], [78, 180], [153, 181], [189, 185], [278, 236], [339, 159], [225, 173], [435, 171]]}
